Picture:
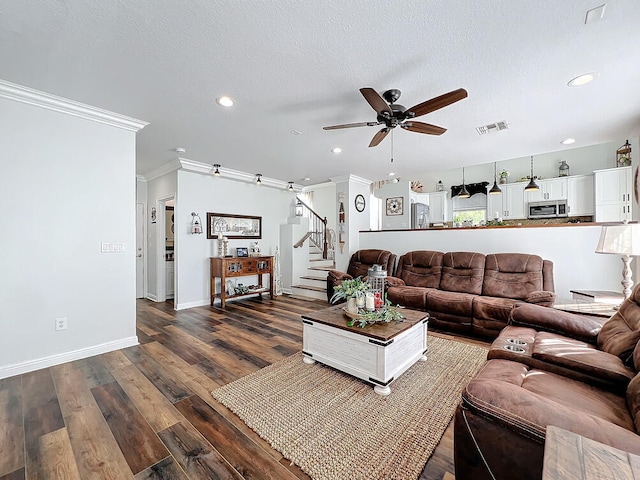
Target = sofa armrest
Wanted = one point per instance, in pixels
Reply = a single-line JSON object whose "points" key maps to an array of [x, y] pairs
{"points": [[541, 297], [573, 325], [338, 276], [394, 282]]}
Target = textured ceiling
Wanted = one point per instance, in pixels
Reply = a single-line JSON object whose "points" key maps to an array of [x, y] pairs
{"points": [[298, 65]]}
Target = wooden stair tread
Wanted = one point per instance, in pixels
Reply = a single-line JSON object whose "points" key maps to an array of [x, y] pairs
{"points": [[324, 269], [311, 277], [310, 287]]}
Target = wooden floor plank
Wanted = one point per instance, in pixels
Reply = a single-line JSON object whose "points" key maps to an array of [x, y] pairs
{"points": [[195, 455], [19, 474], [250, 460], [42, 413], [166, 469], [138, 442], [154, 407], [169, 385], [96, 451], [50, 456], [11, 426]]}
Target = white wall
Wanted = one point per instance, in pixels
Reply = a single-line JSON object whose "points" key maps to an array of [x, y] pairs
{"points": [[67, 184], [400, 189], [205, 193], [570, 248]]}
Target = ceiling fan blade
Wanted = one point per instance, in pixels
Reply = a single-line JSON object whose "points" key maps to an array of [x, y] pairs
{"points": [[378, 137], [351, 125], [421, 127], [376, 101], [437, 102]]}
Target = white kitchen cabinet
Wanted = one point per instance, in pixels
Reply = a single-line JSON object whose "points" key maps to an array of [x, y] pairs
{"points": [[613, 194], [580, 201], [437, 207], [550, 189], [510, 204]]}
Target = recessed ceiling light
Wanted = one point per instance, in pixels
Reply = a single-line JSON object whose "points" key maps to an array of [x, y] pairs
{"points": [[581, 80], [568, 141], [390, 174], [224, 101], [296, 132], [336, 150], [180, 150]]}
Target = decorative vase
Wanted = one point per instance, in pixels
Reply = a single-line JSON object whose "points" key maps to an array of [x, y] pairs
{"points": [[502, 180], [360, 302], [351, 305]]}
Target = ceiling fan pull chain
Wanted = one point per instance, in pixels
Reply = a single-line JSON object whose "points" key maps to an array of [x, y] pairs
{"points": [[391, 146]]}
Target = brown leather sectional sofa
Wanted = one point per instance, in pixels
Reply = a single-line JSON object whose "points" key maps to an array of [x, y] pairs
{"points": [[470, 292], [550, 368]]}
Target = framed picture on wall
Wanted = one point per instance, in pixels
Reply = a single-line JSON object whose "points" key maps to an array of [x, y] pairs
{"points": [[394, 206], [233, 226]]}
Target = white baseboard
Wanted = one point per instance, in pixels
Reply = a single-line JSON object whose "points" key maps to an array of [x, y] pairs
{"points": [[45, 362], [152, 297], [198, 303]]}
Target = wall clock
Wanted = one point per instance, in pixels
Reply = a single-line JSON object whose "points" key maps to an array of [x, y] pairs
{"points": [[360, 203], [394, 206]]}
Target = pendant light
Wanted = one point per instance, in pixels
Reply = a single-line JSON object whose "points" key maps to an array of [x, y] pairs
{"points": [[532, 186], [495, 190], [464, 193], [217, 169]]}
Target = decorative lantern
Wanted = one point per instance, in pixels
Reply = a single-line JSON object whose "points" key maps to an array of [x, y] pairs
{"points": [[298, 208], [196, 223], [623, 155], [376, 280], [439, 186], [563, 169]]}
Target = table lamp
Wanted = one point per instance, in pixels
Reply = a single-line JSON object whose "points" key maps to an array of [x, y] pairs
{"points": [[623, 240]]}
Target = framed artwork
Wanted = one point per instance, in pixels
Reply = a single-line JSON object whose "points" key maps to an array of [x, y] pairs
{"points": [[395, 206], [233, 226], [242, 252]]}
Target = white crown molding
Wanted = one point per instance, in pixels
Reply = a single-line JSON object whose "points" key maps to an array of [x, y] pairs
{"points": [[140, 178], [351, 179], [45, 362], [22, 94], [180, 163]]}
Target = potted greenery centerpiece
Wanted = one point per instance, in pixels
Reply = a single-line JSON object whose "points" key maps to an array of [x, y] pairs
{"points": [[351, 291], [387, 313]]}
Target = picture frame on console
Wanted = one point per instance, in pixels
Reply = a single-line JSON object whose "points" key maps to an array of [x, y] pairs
{"points": [[233, 226], [242, 252]]}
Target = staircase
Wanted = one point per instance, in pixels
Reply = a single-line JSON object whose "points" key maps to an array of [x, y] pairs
{"points": [[314, 283], [321, 242]]}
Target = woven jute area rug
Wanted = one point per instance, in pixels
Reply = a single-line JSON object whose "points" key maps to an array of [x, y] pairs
{"points": [[333, 426]]}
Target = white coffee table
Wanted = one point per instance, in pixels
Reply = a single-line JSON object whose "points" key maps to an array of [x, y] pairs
{"points": [[377, 354]]}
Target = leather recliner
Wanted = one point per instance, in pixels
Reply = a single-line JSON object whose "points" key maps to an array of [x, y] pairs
{"points": [[359, 265]]}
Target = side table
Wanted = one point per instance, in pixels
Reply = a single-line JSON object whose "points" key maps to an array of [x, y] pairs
{"points": [[598, 296]]}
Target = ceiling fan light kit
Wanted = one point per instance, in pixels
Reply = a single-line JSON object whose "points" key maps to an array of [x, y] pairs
{"points": [[392, 115]]}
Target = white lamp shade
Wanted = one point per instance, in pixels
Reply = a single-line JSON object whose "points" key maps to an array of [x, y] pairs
{"points": [[620, 239]]}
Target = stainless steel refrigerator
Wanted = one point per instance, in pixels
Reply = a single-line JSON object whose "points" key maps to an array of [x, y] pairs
{"points": [[419, 215]]}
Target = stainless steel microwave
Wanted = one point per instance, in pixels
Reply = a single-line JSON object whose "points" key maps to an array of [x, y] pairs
{"points": [[548, 209]]}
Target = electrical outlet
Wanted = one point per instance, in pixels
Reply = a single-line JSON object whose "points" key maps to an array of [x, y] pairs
{"points": [[61, 323]]}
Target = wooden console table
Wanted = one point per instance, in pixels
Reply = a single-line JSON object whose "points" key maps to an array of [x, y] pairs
{"points": [[232, 267]]}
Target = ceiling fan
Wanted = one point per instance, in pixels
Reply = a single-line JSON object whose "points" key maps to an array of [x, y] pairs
{"points": [[392, 115]]}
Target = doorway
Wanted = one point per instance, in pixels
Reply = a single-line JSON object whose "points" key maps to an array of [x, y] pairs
{"points": [[140, 252], [164, 246]]}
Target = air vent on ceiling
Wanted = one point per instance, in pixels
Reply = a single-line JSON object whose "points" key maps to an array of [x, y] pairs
{"points": [[492, 127]]}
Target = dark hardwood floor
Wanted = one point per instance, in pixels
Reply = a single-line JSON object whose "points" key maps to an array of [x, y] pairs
{"points": [[146, 412]]}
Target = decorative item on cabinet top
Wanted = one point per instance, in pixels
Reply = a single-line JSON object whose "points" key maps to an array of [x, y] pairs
{"points": [[623, 155], [233, 226]]}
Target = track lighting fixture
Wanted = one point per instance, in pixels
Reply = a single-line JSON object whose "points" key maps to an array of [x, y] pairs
{"points": [[464, 193], [495, 190], [532, 185], [290, 187], [258, 179], [216, 172]]}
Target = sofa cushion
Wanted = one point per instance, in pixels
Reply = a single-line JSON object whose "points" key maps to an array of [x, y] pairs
{"points": [[407, 296], [362, 260], [451, 307], [512, 275], [492, 313], [420, 268], [633, 400], [462, 272], [620, 334]]}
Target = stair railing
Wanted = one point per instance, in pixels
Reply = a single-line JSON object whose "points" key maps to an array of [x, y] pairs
{"points": [[318, 234]]}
